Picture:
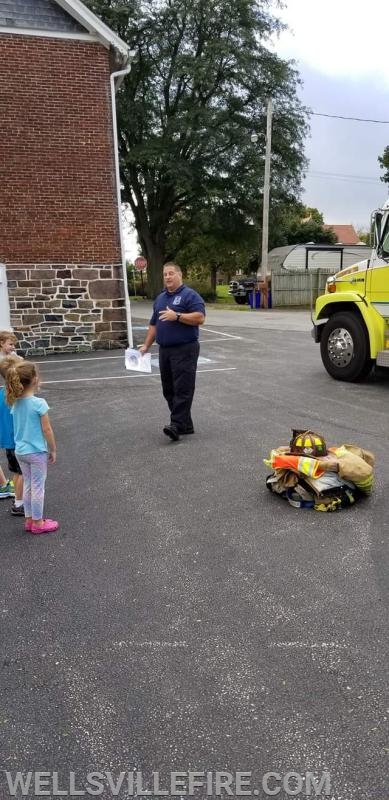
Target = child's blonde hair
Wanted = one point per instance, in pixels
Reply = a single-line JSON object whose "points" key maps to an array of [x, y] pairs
{"points": [[18, 378], [7, 362], [5, 336]]}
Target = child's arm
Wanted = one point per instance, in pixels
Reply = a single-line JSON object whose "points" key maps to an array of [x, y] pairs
{"points": [[49, 436]]}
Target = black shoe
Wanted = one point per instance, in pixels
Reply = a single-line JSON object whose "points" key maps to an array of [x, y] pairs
{"points": [[172, 432], [17, 511]]}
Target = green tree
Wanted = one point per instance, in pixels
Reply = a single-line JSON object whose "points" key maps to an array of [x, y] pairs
{"points": [[304, 224], [313, 214], [365, 235], [384, 164], [196, 92], [223, 240], [226, 240]]}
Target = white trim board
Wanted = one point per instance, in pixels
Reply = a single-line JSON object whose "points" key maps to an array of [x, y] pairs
{"points": [[85, 37], [95, 26]]}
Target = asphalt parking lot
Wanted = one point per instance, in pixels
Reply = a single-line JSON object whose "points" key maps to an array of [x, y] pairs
{"points": [[183, 619]]}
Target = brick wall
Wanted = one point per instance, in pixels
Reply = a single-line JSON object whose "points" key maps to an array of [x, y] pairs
{"points": [[57, 193]]}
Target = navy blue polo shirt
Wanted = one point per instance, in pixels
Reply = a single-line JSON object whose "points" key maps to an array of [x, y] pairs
{"points": [[184, 300]]}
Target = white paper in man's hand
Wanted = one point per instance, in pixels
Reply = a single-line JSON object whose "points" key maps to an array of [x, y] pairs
{"points": [[137, 361]]}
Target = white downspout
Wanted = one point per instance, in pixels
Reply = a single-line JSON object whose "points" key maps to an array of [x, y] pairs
{"points": [[114, 75]]}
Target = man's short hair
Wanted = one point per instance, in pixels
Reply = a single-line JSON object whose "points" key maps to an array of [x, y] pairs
{"points": [[172, 264]]}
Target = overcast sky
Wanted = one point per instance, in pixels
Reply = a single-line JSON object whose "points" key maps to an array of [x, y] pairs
{"points": [[341, 54]]}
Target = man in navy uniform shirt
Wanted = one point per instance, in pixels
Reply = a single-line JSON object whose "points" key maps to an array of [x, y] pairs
{"points": [[177, 313]]}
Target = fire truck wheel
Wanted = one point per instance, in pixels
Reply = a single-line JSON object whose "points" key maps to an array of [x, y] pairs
{"points": [[241, 301], [344, 347]]}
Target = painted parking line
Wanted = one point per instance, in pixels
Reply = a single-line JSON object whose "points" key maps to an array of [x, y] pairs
{"points": [[117, 358], [126, 377], [220, 333], [208, 330], [79, 360], [223, 341]]}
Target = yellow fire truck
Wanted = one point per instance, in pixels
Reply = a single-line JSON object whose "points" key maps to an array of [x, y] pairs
{"points": [[351, 319]]}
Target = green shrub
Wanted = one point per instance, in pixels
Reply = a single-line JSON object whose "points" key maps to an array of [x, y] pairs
{"points": [[204, 289]]}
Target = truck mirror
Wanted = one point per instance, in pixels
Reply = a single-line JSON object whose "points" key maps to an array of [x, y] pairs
{"points": [[377, 217]]}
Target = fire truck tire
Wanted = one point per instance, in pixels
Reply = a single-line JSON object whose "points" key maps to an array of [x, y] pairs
{"points": [[241, 300], [344, 347]]}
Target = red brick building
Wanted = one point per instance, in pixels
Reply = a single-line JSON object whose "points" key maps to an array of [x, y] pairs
{"points": [[60, 237]]}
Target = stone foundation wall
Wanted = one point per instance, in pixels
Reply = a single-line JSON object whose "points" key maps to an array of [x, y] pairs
{"points": [[58, 308]]}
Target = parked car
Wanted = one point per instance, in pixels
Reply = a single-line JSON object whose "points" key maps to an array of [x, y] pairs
{"points": [[240, 288]]}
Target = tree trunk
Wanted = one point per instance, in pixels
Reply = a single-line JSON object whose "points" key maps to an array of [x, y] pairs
{"points": [[155, 260], [152, 239], [213, 278], [155, 256]]}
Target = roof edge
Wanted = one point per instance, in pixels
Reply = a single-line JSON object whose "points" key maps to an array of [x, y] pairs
{"points": [[94, 25]]}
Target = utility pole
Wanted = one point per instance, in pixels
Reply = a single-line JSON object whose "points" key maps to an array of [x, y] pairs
{"points": [[266, 192]]}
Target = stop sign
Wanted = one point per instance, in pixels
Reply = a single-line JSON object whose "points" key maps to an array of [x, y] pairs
{"points": [[140, 264]]}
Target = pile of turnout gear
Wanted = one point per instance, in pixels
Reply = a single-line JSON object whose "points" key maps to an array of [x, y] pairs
{"points": [[308, 475]]}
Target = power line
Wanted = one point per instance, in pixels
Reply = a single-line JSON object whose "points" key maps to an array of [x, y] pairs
{"points": [[354, 119], [342, 177]]}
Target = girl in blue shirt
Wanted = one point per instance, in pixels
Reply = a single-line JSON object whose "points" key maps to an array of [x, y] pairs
{"points": [[7, 441], [34, 442]]}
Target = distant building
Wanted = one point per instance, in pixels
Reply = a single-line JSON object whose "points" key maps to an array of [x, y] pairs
{"points": [[345, 234], [60, 235]]}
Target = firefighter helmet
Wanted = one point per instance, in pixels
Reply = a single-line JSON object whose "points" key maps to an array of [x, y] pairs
{"points": [[308, 443]]}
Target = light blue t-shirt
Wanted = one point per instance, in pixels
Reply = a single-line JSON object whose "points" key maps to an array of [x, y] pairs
{"points": [[27, 413]]}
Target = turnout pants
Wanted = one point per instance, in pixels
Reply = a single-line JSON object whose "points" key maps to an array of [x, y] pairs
{"points": [[178, 375]]}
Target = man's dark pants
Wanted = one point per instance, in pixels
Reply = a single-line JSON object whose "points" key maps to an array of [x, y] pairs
{"points": [[178, 375]]}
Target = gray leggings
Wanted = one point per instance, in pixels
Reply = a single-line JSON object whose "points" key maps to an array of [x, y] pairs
{"points": [[34, 469]]}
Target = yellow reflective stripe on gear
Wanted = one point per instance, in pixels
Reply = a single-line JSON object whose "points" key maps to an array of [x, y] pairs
{"points": [[366, 485], [308, 466], [273, 455], [339, 451]]}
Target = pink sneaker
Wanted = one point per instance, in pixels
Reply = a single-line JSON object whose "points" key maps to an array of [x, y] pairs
{"points": [[49, 525], [28, 526]]}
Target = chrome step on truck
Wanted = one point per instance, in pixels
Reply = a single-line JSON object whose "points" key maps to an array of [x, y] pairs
{"points": [[382, 359]]}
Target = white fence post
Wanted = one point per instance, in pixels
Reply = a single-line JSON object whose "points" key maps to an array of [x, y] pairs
{"points": [[5, 317]]}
